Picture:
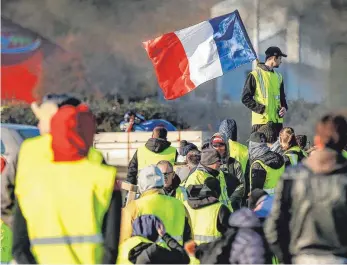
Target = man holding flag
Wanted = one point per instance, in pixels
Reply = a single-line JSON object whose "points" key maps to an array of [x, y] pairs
{"points": [[263, 92]]}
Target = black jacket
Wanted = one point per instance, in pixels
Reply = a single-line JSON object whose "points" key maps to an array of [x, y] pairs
{"points": [[249, 91], [154, 145], [309, 212], [258, 173], [110, 231], [152, 253], [199, 201]]}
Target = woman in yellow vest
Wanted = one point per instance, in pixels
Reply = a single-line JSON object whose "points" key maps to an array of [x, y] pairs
{"points": [[67, 211], [266, 166], [154, 201], [263, 92], [292, 153], [141, 248]]}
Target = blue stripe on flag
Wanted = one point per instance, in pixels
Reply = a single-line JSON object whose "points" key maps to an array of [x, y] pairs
{"points": [[233, 44]]}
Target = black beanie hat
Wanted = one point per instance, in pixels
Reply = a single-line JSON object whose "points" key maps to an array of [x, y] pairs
{"points": [[270, 132], [209, 156]]}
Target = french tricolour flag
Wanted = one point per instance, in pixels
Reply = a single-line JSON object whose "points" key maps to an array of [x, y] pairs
{"points": [[186, 58]]}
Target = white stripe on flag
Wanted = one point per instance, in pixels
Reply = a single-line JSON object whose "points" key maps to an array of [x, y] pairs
{"points": [[201, 51]]}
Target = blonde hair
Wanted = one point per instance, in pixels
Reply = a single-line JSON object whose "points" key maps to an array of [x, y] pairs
{"points": [[287, 138]]}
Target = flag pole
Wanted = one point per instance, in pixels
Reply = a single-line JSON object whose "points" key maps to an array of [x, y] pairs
{"points": [[256, 32]]}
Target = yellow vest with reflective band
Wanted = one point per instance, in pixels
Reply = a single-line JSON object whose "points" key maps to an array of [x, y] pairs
{"points": [[6, 243], [198, 177], [272, 176], [64, 205], [267, 93], [168, 209], [240, 153], [204, 222], [146, 157], [292, 154], [125, 248], [344, 153]]}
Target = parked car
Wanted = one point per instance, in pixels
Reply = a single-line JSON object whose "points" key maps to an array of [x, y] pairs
{"points": [[12, 136]]}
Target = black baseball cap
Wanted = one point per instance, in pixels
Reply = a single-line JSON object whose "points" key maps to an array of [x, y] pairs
{"points": [[274, 51]]}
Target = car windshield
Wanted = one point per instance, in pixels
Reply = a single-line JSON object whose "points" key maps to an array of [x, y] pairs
{"points": [[28, 133]]}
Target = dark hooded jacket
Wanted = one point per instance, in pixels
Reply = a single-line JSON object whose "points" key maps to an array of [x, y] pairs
{"points": [[309, 211], [243, 243], [260, 151], [152, 253], [155, 145], [199, 196]]}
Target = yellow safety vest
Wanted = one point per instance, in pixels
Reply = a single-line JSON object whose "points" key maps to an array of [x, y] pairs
{"points": [[267, 93], [146, 157], [293, 154], [272, 176], [181, 194], [344, 153], [125, 248], [204, 222], [168, 209], [64, 205], [240, 153], [6, 243], [95, 155], [198, 177]]}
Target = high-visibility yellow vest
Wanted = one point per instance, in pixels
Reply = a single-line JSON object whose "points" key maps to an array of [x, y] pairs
{"points": [[125, 248], [181, 194], [204, 222], [240, 153], [168, 209], [344, 153], [64, 205], [272, 176], [146, 157], [293, 154], [95, 155], [198, 177], [267, 93], [6, 243]]}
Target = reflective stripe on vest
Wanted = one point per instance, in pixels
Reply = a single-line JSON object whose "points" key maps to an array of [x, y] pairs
{"points": [[177, 238], [204, 222], [166, 209], [145, 157], [127, 246], [74, 216], [267, 93], [67, 240], [272, 176]]}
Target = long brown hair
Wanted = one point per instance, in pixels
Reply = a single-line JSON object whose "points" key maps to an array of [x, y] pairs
{"points": [[287, 138]]}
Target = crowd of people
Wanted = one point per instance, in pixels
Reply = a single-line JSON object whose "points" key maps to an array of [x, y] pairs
{"points": [[270, 201]]}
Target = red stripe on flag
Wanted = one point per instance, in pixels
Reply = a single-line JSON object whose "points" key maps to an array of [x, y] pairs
{"points": [[171, 65]]}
